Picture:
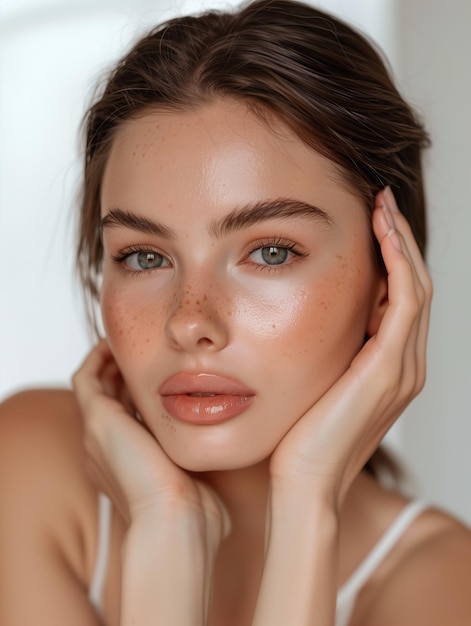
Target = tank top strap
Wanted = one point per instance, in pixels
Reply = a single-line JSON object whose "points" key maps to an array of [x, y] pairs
{"points": [[347, 594], [95, 592]]}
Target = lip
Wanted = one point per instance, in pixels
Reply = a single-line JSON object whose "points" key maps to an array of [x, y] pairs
{"points": [[227, 397]]}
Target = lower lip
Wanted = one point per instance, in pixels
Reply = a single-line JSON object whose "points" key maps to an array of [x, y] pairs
{"points": [[205, 409]]}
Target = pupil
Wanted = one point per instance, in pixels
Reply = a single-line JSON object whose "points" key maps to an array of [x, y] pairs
{"points": [[273, 255]]}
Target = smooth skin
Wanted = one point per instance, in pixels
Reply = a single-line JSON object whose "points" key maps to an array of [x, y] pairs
{"points": [[269, 539]]}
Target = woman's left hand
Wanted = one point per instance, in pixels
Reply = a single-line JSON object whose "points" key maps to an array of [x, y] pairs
{"points": [[333, 440]]}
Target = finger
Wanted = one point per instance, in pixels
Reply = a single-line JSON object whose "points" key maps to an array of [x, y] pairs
{"points": [[424, 295], [403, 305], [403, 226], [414, 348], [99, 373], [399, 332], [86, 380], [401, 236], [115, 386], [412, 250], [111, 378]]}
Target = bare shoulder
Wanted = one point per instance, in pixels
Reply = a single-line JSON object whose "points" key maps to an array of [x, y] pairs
{"points": [[41, 454], [40, 432], [428, 581], [37, 410], [48, 505]]}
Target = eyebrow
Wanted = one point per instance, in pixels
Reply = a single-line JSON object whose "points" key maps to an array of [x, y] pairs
{"points": [[118, 217], [238, 219], [281, 208]]}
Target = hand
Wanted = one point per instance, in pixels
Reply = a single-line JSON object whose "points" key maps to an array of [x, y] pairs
{"points": [[125, 459], [176, 524], [332, 442]]}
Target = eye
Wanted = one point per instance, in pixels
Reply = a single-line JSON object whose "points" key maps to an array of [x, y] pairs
{"points": [[270, 255], [146, 261], [142, 260], [274, 253]]}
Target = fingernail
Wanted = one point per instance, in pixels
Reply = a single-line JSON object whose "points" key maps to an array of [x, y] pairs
{"points": [[396, 242], [391, 199]]}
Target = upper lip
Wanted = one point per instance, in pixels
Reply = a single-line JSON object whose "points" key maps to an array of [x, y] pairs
{"points": [[185, 383]]}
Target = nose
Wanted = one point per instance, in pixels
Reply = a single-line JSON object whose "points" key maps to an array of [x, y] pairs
{"points": [[195, 322]]}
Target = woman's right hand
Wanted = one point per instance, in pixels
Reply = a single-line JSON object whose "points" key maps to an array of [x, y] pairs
{"points": [[175, 523], [124, 458]]}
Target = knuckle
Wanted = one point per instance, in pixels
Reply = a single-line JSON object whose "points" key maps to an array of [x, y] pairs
{"points": [[411, 308], [390, 372], [420, 379], [410, 383], [414, 380], [428, 287], [421, 294], [419, 386]]}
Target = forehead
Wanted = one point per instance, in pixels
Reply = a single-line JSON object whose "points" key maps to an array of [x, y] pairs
{"points": [[216, 157]]}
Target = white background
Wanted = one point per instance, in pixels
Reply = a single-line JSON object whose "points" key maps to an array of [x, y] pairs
{"points": [[51, 54]]}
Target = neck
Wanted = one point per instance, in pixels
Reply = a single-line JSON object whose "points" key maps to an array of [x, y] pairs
{"points": [[239, 564], [244, 493]]}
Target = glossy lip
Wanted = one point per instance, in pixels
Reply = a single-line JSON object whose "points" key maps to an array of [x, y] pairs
{"points": [[226, 397]]}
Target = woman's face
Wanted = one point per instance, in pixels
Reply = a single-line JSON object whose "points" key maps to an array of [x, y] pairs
{"points": [[238, 279]]}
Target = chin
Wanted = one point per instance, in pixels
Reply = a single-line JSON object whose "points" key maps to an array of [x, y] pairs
{"points": [[220, 460]]}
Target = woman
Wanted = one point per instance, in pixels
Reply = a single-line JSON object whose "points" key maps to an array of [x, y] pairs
{"points": [[266, 308]]}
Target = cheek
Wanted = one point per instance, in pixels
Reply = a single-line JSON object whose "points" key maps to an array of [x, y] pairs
{"points": [[296, 317], [342, 305], [129, 323], [270, 313]]}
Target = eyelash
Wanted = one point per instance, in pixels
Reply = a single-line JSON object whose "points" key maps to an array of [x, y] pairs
{"points": [[275, 242]]}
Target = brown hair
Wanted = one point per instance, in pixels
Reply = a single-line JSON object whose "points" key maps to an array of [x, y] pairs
{"points": [[322, 78]]}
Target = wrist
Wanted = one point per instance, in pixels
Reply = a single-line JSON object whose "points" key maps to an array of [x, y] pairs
{"points": [[297, 494], [164, 559], [304, 516], [300, 573]]}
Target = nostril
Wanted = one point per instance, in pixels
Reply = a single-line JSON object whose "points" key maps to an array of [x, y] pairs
{"points": [[204, 341]]}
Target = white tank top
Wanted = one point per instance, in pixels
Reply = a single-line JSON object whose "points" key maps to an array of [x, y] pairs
{"points": [[348, 593], [346, 596], [95, 593]]}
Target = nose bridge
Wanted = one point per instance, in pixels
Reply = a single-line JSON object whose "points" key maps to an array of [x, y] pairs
{"points": [[196, 320]]}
